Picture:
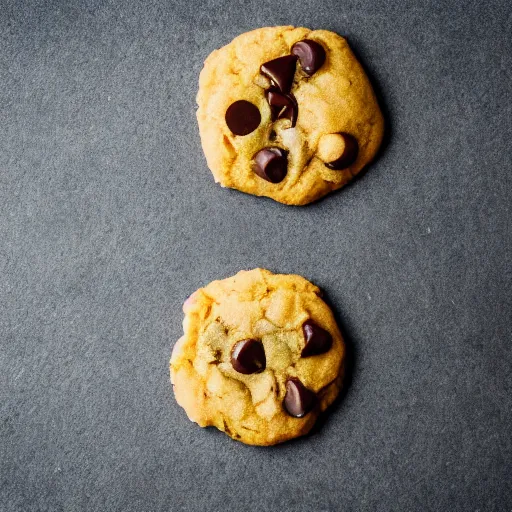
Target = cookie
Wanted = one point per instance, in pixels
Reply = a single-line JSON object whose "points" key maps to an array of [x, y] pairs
{"points": [[287, 113], [260, 358]]}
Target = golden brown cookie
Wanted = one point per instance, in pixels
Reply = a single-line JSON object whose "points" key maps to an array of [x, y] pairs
{"points": [[260, 358], [287, 113]]}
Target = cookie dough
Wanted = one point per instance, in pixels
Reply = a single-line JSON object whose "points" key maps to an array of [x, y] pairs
{"points": [[287, 113], [260, 358]]}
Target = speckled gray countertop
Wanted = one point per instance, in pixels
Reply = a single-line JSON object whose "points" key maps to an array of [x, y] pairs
{"points": [[109, 219]]}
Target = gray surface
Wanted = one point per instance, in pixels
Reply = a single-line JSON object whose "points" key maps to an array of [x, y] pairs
{"points": [[109, 218]]}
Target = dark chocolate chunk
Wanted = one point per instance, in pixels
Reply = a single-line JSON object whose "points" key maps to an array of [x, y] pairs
{"points": [[283, 106], [349, 155], [311, 55], [248, 356], [271, 164], [298, 400], [318, 340], [281, 71], [242, 117]]}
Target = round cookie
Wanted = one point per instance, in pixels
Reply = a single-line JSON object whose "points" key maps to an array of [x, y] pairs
{"points": [[287, 113], [260, 358]]}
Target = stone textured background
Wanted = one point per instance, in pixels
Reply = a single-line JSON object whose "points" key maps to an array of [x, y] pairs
{"points": [[109, 219]]}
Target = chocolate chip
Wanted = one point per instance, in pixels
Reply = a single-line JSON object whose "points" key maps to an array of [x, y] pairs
{"points": [[318, 340], [242, 117], [349, 155], [281, 71], [283, 106], [298, 400], [248, 356], [271, 164], [311, 55]]}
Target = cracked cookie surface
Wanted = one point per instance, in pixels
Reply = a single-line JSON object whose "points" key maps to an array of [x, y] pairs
{"points": [[260, 358], [306, 111]]}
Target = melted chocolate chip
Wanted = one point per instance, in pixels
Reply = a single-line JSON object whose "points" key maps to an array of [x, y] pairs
{"points": [[242, 117], [281, 71], [271, 164], [311, 55], [248, 356], [318, 340], [298, 400], [283, 106], [349, 155]]}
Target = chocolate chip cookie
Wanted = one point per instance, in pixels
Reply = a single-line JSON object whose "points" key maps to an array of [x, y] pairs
{"points": [[287, 113], [260, 358]]}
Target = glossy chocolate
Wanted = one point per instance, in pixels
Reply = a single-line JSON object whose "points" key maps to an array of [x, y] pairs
{"points": [[317, 340], [281, 72], [271, 164], [283, 106], [248, 356], [349, 155], [242, 117], [311, 55], [298, 400]]}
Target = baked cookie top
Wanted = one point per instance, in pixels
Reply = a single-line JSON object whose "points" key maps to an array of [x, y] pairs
{"points": [[260, 358], [287, 113]]}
